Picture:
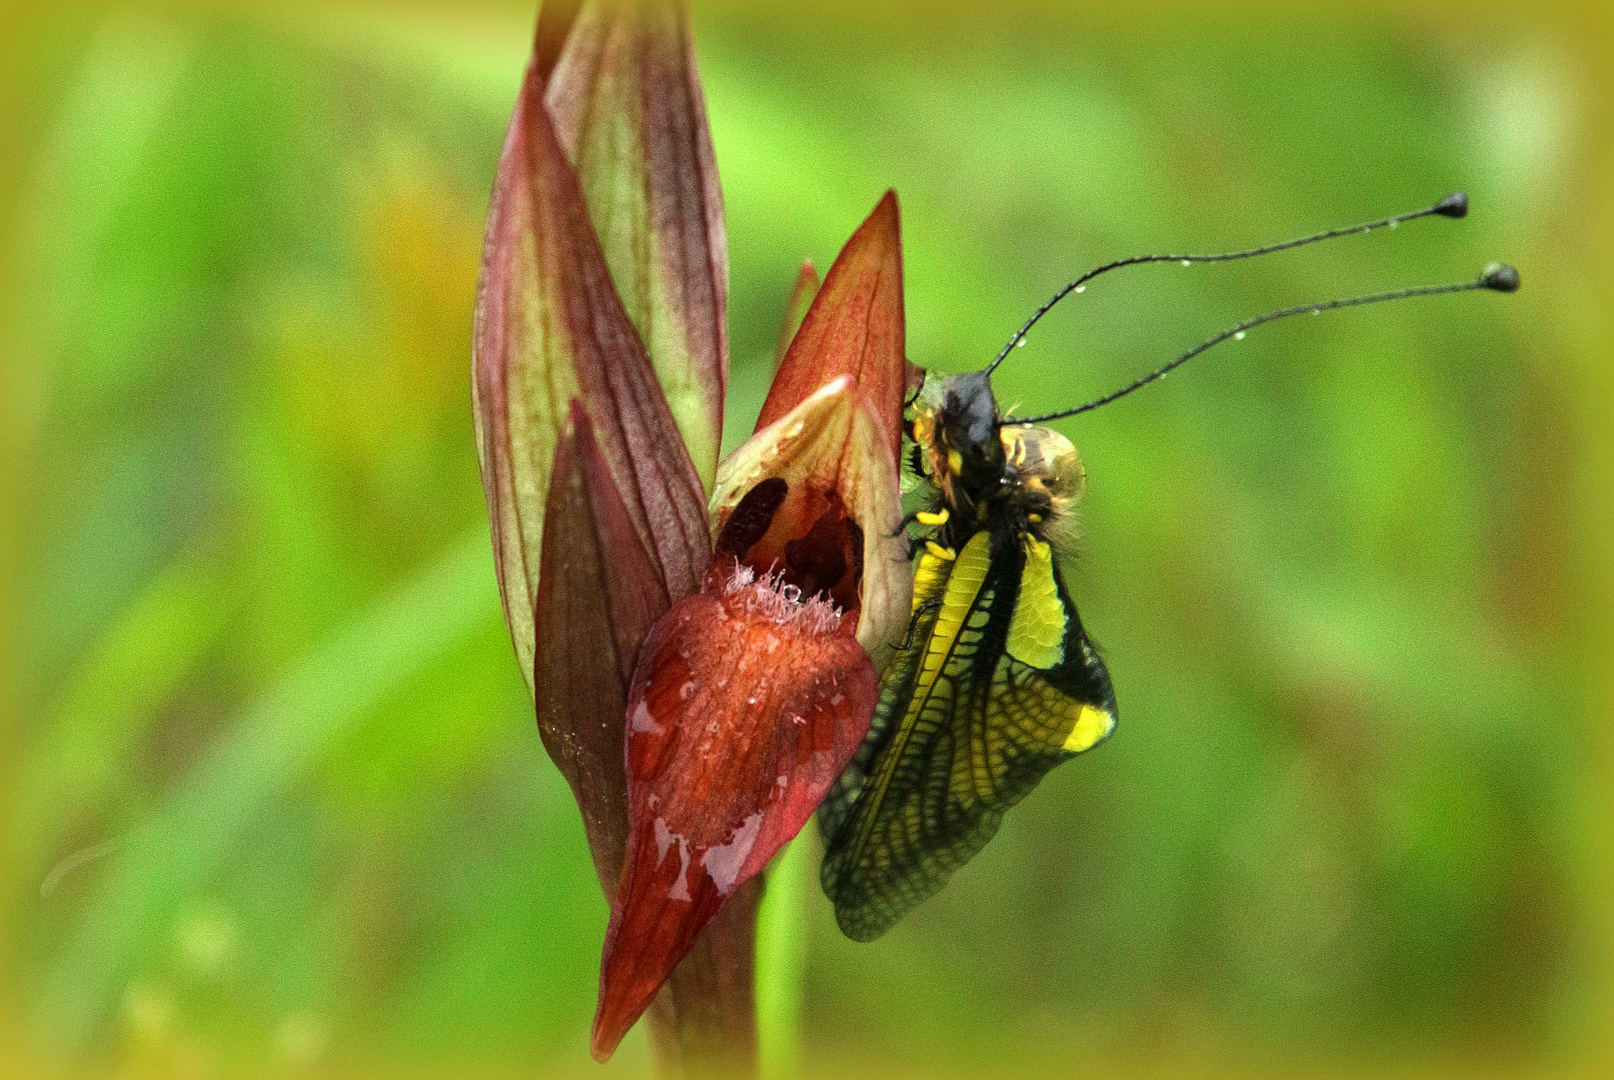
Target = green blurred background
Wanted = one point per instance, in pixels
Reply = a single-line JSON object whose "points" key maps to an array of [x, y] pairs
{"points": [[1352, 574]]}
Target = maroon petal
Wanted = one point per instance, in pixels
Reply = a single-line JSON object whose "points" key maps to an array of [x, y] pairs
{"points": [[746, 704], [550, 330], [600, 586], [628, 108]]}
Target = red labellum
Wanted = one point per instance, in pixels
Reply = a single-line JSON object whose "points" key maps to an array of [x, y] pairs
{"points": [[748, 701]]}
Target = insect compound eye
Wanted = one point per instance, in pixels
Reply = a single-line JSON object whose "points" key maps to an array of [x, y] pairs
{"points": [[970, 415]]}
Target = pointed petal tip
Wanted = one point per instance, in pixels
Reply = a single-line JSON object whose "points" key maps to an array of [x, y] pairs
{"points": [[603, 1041], [631, 974], [855, 324], [801, 298], [806, 287], [577, 419], [555, 19], [884, 224]]}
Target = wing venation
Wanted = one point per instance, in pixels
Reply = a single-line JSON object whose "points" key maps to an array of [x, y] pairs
{"points": [[963, 730]]}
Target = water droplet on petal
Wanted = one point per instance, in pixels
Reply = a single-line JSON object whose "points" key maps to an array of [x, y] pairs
{"points": [[1081, 288], [641, 720], [1239, 336], [722, 862], [1187, 262]]}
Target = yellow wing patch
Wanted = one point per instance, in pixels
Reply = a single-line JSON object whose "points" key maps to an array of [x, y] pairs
{"points": [[969, 573], [929, 577], [1092, 726], [1037, 633]]}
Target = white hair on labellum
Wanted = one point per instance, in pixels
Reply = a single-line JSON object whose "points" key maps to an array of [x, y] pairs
{"points": [[771, 597]]}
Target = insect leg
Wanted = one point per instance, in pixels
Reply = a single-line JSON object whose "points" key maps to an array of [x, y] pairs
{"points": [[916, 462], [919, 612]]}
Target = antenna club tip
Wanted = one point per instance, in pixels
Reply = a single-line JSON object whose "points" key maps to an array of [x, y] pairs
{"points": [[1499, 277], [1454, 205]]}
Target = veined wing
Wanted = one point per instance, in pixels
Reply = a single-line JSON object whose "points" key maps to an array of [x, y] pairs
{"points": [[998, 686], [898, 685]]}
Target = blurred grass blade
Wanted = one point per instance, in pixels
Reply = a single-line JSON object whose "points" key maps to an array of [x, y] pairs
{"points": [[166, 859], [801, 298], [102, 713]]}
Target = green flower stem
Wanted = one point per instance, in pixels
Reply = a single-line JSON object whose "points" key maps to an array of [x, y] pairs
{"points": [[781, 960]]}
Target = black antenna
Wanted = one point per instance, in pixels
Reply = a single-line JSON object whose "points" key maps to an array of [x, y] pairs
{"points": [[1454, 205], [1497, 277]]}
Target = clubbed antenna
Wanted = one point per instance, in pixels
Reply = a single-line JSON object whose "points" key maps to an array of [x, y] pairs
{"points": [[1454, 205], [1497, 277]]}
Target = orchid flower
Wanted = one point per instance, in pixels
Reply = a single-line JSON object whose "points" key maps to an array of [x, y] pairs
{"points": [[701, 639]]}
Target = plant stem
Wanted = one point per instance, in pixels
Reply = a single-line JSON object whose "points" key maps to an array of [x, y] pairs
{"points": [[703, 1025], [781, 959]]}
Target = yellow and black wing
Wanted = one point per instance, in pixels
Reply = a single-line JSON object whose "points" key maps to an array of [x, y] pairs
{"points": [[996, 685]]}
